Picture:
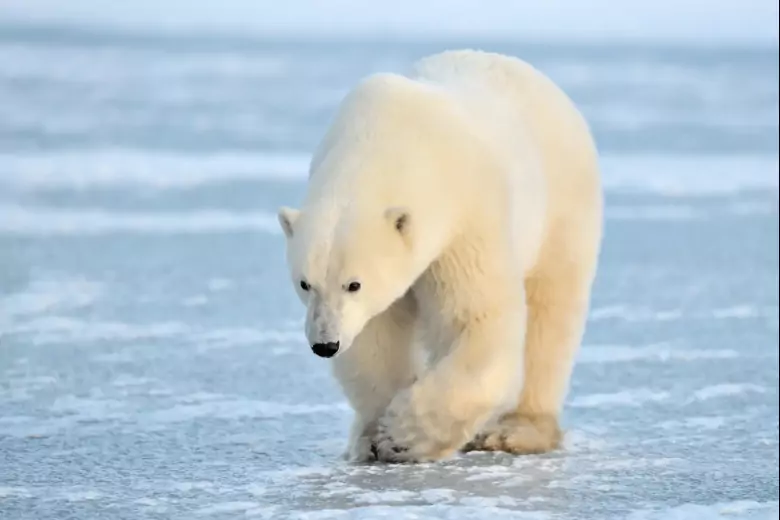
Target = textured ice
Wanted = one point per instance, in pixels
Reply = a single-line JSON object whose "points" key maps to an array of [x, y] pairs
{"points": [[152, 360], [623, 354], [113, 169], [49, 221], [633, 397], [45, 221], [104, 169], [724, 390]]}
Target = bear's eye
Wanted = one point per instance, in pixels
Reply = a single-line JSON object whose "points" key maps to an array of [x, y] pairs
{"points": [[305, 286], [353, 287]]}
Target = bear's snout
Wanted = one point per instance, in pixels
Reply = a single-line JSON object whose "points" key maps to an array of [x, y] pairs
{"points": [[326, 350]]}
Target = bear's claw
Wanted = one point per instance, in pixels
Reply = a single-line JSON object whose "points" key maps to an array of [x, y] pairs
{"points": [[390, 453], [519, 435], [385, 449]]}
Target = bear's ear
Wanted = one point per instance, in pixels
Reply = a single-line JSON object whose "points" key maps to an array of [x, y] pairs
{"points": [[287, 217], [399, 218]]}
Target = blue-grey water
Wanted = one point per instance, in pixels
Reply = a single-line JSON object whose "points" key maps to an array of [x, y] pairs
{"points": [[152, 364]]}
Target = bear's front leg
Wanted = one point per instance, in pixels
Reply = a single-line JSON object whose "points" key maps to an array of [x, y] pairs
{"points": [[448, 405], [373, 369], [360, 447]]}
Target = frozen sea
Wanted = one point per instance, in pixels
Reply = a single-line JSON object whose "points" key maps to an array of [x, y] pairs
{"points": [[152, 364]]}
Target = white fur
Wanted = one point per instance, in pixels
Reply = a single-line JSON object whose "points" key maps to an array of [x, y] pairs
{"points": [[466, 200]]}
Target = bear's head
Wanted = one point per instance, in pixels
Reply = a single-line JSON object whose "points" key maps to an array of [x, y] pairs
{"points": [[346, 269]]}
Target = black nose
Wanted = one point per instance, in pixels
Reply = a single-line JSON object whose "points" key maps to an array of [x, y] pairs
{"points": [[326, 350]]}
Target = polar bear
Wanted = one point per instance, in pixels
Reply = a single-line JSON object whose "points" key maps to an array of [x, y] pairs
{"points": [[445, 251]]}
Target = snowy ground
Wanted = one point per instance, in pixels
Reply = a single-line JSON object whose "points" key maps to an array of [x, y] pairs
{"points": [[152, 363]]}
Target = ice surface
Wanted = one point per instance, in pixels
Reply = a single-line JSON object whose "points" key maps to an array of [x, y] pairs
{"points": [[692, 174], [696, 21], [48, 221], [152, 361]]}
